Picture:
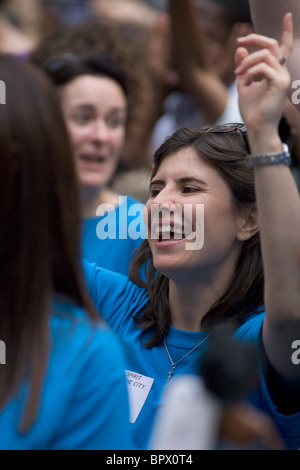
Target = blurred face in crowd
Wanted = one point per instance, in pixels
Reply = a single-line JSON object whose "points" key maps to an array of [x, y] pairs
{"points": [[95, 110], [211, 16]]}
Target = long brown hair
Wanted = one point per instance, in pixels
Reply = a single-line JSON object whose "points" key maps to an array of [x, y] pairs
{"points": [[226, 152], [40, 227]]}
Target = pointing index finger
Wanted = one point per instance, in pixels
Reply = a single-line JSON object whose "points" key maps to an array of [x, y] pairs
{"points": [[287, 35], [264, 42]]}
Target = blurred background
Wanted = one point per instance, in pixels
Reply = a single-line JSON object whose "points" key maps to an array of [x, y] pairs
{"points": [[178, 58]]}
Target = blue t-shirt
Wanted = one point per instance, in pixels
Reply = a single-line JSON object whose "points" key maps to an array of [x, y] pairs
{"points": [[110, 239], [119, 301], [84, 400]]}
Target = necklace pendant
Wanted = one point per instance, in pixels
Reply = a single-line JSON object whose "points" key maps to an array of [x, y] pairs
{"points": [[171, 373], [174, 364]]}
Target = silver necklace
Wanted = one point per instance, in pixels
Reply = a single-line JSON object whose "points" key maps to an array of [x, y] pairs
{"points": [[174, 364]]}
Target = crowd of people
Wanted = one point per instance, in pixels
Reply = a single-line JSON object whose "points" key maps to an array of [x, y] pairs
{"points": [[150, 255]]}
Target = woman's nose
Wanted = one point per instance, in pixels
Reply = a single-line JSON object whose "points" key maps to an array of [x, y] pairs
{"points": [[164, 205], [99, 131], [165, 198]]}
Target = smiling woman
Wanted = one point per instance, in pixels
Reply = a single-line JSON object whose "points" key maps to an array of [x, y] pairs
{"points": [[195, 167], [245, 275], [93, 94], [95, 109], [247, 272], [173, 184]]}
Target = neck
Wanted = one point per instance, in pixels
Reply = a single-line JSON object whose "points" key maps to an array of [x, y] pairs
{"points": [[189, 302], [92, 198], [187, 307], [193, 293]]}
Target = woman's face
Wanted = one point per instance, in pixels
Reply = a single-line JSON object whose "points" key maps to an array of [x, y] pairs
{"points": [[194, 200], [95, 110]]}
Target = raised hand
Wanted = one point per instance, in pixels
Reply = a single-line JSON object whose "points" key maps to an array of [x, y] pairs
{"points": [[263, 78]]}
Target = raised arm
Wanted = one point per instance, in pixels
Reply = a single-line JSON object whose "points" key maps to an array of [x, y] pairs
{"points": [[263, 83], [267, 20], [189, 43]]}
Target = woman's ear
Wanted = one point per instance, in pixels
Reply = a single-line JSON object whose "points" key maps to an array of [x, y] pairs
{"points": [[247, 224]]}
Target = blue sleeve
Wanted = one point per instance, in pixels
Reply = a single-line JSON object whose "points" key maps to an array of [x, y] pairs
{"points": [[96, 417], [114, 295], [251, 329], [288, 425]]}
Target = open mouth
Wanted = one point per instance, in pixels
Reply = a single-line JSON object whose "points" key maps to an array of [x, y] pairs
{"points": [[169, 232], [186, 226], [98, 159]]}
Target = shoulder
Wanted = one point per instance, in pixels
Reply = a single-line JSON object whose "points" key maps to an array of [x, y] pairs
{"points": [[84, 347], [71, 324], [251, 328], [113, 293], [86, 371], [107, 279]]}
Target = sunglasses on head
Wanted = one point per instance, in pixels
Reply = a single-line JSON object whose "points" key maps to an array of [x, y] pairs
{"points": [[230, 128]]}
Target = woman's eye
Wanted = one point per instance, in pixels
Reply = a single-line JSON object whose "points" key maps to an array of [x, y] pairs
{"points": [[190, 189], [81, 119], [116, 122], [154, 192]]}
